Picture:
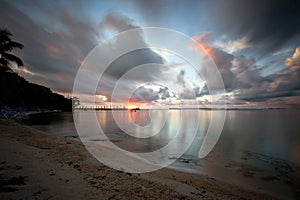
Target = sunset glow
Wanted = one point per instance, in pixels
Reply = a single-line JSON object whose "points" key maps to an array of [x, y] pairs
{"points": [[131, 107], [150, 99], [259, 64]]}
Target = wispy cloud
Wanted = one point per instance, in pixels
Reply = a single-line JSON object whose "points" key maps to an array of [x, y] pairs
{"points": [[232, 46], [283, 51]]}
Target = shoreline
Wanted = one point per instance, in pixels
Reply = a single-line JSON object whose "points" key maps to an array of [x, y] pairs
{"points": [[50, 166], [21, 113]]}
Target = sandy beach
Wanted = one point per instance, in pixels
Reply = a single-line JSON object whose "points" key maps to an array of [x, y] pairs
{"points": [[37, 165]]}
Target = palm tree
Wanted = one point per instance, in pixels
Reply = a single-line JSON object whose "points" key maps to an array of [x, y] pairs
{"points": [[6, 46]]}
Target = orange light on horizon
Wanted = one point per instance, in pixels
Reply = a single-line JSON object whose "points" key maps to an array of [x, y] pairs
{"points": [[131, 106]]}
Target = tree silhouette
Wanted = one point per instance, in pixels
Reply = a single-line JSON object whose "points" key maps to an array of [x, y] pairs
{"points": [[75, 102], [15, 91], [6, 46]]}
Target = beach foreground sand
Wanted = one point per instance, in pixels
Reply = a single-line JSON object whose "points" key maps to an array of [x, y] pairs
{"points": [[37, 165]]}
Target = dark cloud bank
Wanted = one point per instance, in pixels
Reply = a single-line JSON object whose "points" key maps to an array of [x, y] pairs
{"points": [[268, 24]]}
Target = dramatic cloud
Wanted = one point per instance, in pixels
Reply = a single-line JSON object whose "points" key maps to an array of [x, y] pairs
{"points": [[51, 57], [222, 59], [243, 78], [254, 44], [134, 59], [126, 64], [294, 62], [268, 24], [143, 94], [289, 79]]}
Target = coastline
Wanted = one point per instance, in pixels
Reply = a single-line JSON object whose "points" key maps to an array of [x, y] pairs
{"points": [[20, 113], [35, 164]]}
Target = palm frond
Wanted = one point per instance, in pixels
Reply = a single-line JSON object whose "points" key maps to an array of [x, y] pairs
{"points": [[10, 46], [7, 45], [13, 58], [4, 36]]}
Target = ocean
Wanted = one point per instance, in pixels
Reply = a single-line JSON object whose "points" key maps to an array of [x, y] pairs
{"points": [[257, 149]]}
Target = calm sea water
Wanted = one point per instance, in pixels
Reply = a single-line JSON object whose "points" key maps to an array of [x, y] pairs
{"points": [[259, 149]]}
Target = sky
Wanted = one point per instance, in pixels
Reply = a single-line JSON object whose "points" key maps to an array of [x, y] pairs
{"points": [[255, 46]]}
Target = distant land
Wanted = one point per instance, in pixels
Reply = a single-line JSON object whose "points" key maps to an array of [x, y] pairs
{"points": [[122, 107]]}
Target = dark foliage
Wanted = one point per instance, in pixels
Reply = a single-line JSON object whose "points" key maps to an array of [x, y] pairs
{"points": [[16, 91], [6, 46]]}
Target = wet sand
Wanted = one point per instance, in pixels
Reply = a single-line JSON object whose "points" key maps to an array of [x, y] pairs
{"points": [[37, 165]]}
